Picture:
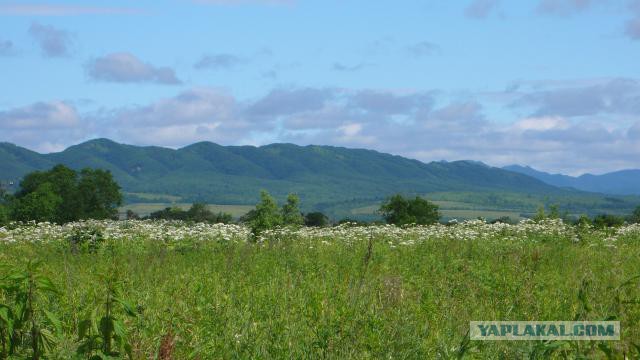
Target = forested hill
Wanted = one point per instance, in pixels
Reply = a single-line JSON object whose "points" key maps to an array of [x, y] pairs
{"points": [[623, 182], [235, 174]]}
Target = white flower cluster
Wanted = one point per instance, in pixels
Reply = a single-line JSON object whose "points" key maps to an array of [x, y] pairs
{"points": [[127, 230], [409, 235], [176, 231]]}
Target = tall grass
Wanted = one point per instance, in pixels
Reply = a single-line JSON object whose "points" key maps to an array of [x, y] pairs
{"points": [[291, 296]]}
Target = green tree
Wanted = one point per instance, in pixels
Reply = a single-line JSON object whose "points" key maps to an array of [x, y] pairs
{"points": [[635, 216], [540, 214], [607, 220], [265, 216], [200, 213], [63, 182], [40, 205], [291, 214], [316, 219], [400, 211], [132, 215], [169, 213], [67, 196], [99, 194], [583, 221], [4, 209]]}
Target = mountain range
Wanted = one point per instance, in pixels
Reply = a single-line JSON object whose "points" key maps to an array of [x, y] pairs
{"points": [[623, 182], [326, 177]]}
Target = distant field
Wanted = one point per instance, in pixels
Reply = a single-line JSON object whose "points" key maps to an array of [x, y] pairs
{"points": [[154, 197], [474, 214], [453, 210], [144, 209]]}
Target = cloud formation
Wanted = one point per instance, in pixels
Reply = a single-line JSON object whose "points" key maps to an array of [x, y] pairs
{"points": [[614, 96], [245, 2], [62, 10], [632, 27], [423, 48], [53, 42], [6, 47], [564, 7], [124, 67], [555, 134], [480, 9], [219, 62], [50, 126], [347, 68], [197, 114]]}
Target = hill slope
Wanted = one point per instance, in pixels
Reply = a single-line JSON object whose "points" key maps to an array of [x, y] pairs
{"points": [[624, 182], [333, 179]]}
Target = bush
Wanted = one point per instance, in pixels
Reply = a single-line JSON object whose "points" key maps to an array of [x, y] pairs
{"points": [[198, 212], [607, 220], [316, 219], [265, 216], [400, 211]]}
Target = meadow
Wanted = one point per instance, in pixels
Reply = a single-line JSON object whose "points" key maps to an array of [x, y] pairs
{"points": [[172, 290]]}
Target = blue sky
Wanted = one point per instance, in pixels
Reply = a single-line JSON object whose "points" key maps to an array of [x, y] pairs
{"points": [[549, 83]]}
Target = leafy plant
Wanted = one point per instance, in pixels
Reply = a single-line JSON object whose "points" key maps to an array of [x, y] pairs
{"points": [[102, 333], [86, 239], [24, 322]]}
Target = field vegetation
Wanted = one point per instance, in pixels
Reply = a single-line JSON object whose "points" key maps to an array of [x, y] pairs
{"points": [[173, 290]]}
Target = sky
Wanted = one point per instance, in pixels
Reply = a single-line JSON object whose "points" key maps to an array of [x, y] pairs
{"points": [[553, 84]]}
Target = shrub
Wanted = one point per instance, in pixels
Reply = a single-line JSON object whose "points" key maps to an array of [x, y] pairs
{"points": [[291, 214], [400, 211], [607, 220], [316, 219]]}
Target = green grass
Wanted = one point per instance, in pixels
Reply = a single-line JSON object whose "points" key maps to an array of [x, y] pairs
{"points": [[297, 298]]}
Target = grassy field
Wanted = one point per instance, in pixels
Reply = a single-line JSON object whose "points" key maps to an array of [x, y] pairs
{"points": [[453, 210], [210, 291], [144, 209]]}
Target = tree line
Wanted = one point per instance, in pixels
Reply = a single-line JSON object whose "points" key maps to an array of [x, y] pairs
{"points": [[62, 195]]}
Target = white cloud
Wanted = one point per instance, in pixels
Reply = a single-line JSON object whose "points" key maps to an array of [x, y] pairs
{"points": [[40, 116], [417, 125], [53, 42], [541, 124], [125, 67], [61, 10]]}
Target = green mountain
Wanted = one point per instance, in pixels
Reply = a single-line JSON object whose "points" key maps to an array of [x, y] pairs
{"points": [[333, 179], [623, 182]]}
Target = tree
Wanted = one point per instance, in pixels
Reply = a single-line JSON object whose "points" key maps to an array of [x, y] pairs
{"points": [[607, 220], [99, 194], [4, 209], [63, 181], [131, 215], [540, 214], [265, 216], [400, 211], [200, 213], [39, 205], [291, 214], [93, 194], [317, 219], [635, 216]]}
